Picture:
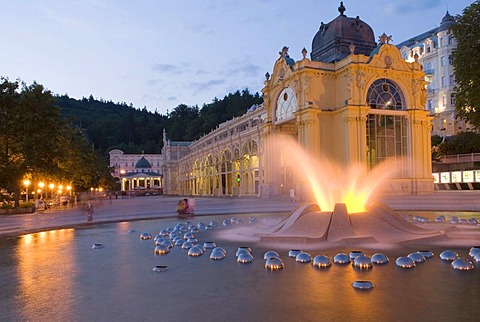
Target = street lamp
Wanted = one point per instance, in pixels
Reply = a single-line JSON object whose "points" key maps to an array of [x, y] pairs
{"points": [[41, 185], [26, 183], [69, 189], [51, 186]]}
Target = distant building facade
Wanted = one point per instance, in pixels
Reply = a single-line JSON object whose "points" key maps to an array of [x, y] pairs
{"points": [[433, 50], [137, 171], [353, 101]]}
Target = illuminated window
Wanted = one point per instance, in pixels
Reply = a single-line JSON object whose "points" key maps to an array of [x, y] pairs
{"points": [[385, 94], [386, 139]]}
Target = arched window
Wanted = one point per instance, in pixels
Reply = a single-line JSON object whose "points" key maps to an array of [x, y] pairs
{"points": [[286, 105], [386, 95]]}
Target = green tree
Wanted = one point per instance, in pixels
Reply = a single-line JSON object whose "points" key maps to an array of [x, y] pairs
{"points": [[80, 164], [466, 31], [180, 120], [436, 141], [37, 143], [29, 133], [464, 142]]}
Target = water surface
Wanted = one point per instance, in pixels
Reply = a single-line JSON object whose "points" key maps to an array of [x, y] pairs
{"points": [[56, 275]]}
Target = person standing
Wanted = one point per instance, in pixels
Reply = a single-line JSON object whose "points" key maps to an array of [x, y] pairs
{"points": [[90, 211]]}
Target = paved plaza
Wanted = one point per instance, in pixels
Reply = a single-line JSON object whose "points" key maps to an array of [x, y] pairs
{"points": [[154, 207]]}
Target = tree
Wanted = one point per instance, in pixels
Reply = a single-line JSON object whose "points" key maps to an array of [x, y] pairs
{"points": [[29, 133], [463, 142], [36, 142], [466, 31]]}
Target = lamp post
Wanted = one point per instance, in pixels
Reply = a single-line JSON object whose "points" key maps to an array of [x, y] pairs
{"points": [[51, 186], [41, 185], [26, 183]]}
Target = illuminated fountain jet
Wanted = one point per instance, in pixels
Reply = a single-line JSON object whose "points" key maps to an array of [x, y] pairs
{"points": [[343, 212]]}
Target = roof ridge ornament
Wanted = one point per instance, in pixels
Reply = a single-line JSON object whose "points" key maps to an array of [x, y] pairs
{"points": [[341, 9], [284, 52], [384, 39]]}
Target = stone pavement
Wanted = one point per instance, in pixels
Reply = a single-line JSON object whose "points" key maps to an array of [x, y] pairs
{"points": [[154, 207]]}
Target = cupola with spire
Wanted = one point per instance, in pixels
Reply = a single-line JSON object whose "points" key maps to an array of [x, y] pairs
{"points": [[334, 40]]}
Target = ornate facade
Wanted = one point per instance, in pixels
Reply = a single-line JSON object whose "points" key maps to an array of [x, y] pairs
{"points": [[433, 50], [137, 171], [342, 105]]}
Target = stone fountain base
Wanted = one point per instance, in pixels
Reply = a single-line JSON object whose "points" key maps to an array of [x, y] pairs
{"points": [[379, 224]]}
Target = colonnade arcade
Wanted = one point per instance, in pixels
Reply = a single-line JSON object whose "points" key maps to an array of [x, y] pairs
{"points": [[232, 171], [141, 181]]}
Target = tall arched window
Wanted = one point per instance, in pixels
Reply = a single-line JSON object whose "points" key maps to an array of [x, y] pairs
{"points": [[286, 105], [386, 95], [386, 129]]}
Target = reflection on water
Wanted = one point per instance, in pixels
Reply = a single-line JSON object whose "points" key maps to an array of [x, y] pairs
{"points": [[58, 276], [43, 261]]}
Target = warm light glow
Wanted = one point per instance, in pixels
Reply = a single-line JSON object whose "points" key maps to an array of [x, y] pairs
{"points": [[60, 187], [41, 184], [51, 186], [331, 184], [27, 239], [26, 182], [69, 188]]}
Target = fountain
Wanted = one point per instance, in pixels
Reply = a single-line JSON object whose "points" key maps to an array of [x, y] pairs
{"points": [[340, 213], [344, 211]]}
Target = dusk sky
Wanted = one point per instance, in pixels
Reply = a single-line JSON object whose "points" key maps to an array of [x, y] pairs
{"points": [[160, 54]]}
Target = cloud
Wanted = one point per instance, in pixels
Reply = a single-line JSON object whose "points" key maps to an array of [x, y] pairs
{"points": [[199, 28], [153, 82], [198, 87], [166, 68], [202, 72], [237, 68]]}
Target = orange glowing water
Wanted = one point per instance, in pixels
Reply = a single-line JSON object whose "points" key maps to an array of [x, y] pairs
{"points": [[353, 185]]}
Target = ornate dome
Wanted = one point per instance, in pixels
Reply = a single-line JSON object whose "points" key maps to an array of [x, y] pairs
{"points": [[143, 163], [447, 21], [334, 40]]}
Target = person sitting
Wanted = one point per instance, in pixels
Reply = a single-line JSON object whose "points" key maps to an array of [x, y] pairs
{"points": [[182, 207]]}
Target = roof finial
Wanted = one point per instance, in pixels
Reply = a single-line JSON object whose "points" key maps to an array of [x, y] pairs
{"points": [[284, 51], [384, 39], [341, 9]]}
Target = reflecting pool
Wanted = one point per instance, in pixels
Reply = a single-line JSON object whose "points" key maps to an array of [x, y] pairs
{"points": [[58, 275]]}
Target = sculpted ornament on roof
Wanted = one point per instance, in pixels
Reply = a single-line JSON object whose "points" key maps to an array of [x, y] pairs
{"points": [[384, 39]]}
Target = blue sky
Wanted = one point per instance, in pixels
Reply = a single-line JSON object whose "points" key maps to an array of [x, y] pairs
{"points": [[159, 54]]}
